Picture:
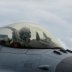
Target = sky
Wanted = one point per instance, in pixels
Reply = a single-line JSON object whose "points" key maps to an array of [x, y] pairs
{"points": [[54, 15]]}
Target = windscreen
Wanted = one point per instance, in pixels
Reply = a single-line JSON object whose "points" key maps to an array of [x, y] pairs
{"points": [[27, 35]]}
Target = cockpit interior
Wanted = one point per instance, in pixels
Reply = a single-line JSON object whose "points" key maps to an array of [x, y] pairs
{"points": [[23, 35]]}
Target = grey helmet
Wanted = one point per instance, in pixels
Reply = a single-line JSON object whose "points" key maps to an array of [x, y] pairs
{"points": [[25, 33]]}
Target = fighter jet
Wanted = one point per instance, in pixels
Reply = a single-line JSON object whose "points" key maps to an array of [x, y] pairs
{"points": [[26, 47]]}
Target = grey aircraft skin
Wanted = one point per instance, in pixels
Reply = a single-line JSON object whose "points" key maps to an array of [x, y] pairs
{"points": [[35, 55]]}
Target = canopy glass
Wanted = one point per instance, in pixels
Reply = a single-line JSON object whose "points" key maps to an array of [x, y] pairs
{"points": [[27, 35]]}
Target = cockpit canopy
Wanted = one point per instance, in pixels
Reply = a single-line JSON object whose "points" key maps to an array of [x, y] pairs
{"points": [[26, 35]]}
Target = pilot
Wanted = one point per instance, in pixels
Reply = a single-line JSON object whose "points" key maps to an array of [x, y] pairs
{"points": [[25, 35], [20, 38]]}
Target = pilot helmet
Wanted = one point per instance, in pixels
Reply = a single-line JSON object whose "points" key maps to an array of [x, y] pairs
{"points": [[25, 33]]}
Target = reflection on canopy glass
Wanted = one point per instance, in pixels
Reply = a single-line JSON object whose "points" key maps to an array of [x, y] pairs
{"points": [[26, 35]]}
